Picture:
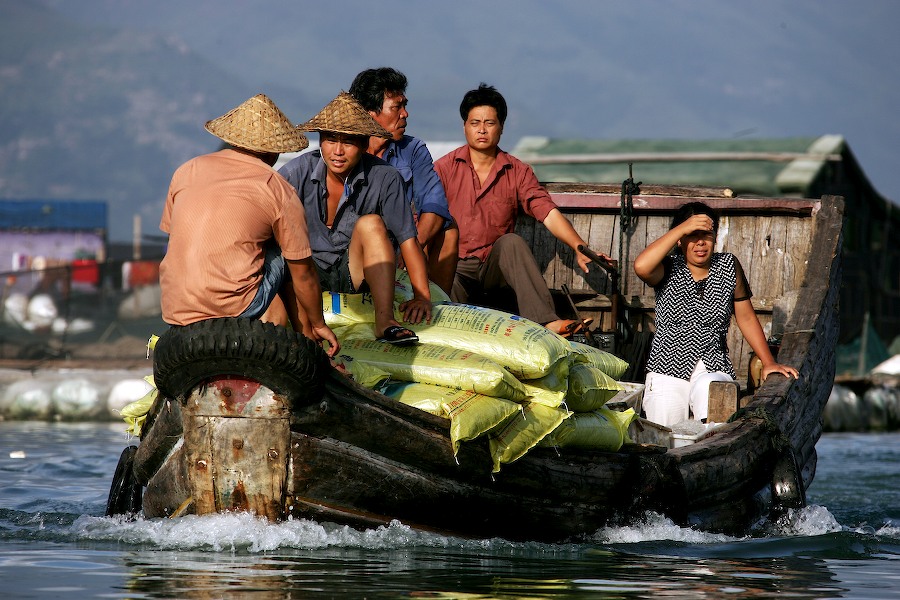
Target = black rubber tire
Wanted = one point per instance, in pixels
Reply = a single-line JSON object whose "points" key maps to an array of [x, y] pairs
{"points": [[283, 360], [125, 494]]}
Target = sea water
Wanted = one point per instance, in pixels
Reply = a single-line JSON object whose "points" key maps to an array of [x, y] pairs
{"points": [[55, 543]]}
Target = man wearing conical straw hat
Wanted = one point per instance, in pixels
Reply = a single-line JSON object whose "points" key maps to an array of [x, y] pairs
{"points": [[237, 231], [358, 216]]}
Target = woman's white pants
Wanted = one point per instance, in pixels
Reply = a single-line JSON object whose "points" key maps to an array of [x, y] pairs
{"points": [[670, 400]]}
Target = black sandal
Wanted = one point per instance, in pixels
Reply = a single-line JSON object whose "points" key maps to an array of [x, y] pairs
{"points": [[398, 336]]}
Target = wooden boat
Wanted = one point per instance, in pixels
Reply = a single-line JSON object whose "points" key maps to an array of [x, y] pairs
{"points": [[250, 417]]}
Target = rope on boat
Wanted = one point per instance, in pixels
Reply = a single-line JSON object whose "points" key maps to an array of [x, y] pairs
{"points": [[627, 218]]}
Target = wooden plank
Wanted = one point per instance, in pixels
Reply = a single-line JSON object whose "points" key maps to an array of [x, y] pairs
{"points": [[583, 223], [657, 226], [723, 401], [644, 203], [738, 236], [635, 242], [796, 254], [199, 460], [600, 240]]}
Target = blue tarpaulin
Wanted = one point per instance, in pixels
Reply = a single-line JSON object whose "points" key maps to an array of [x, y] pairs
{"points": [[53, 215]]}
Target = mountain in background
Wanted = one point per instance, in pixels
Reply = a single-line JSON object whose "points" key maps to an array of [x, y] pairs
{"points": [[103, 99], [98, 113]]}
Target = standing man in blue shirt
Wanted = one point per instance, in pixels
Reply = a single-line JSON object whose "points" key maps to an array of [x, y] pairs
{"points": [[382, 92], [358, 216]]}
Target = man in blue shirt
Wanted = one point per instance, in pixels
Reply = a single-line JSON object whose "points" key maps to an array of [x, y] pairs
{"points": [[382, 92], [357, 216]]}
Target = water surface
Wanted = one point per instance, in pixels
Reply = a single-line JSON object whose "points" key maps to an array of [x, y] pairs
{"points": [[55, 543]]}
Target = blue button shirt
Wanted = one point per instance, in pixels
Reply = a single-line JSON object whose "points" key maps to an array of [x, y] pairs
{"points": [[373, 187], [411, 158]]}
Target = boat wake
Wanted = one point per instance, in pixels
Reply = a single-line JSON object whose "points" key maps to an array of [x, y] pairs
{"points": [[245, 533]]}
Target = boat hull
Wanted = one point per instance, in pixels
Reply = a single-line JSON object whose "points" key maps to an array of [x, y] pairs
{"points": [[354, 456]]}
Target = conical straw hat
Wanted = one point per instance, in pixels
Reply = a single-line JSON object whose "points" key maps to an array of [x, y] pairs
{"points": [[258, 125], [345, 115]]}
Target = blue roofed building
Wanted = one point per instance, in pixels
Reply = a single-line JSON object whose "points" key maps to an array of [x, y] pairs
{"points": [[42, 239]]}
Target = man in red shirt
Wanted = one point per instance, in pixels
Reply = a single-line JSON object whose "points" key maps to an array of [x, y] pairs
{"points": [[237, 230], [486, 187]]}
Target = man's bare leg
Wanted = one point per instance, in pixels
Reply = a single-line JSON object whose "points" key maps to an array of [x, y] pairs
{"points": [[373, 260], [276, 313]]}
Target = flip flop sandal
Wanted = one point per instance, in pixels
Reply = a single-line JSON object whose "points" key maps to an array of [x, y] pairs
{"points": [[567, 330], [398, 336], [575, 327]]}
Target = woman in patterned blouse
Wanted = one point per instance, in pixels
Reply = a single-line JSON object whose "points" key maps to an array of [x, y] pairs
{"points": [[697, 292]]}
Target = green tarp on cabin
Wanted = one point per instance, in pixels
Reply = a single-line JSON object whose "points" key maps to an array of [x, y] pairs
{"points": [[761, 167]]}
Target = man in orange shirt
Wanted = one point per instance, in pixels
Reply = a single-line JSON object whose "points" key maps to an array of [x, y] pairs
{"points": [[237, 230]]}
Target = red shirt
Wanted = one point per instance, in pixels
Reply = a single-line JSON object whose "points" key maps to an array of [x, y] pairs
{"points": [[485, 212]]}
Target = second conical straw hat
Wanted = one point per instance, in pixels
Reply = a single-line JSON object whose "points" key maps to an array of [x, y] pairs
{"points": [[258, 125], [345, 115]]}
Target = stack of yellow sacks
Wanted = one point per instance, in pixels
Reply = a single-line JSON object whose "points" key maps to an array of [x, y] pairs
{"points": [[490, 372]]}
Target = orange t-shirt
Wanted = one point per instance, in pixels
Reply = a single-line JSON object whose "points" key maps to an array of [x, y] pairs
{"points": [[221, 210]]}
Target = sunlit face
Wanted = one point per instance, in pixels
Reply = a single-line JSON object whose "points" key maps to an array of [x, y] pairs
{"points": [[393, 115], [341, 152], [698, 247], [483, 128]]}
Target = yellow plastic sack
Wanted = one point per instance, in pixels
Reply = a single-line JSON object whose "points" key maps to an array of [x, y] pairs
{"points": [[341, 310], [522, 432], [135, 413], [602, 429], [348, 309], [607, 362], [367, 375], [550, 390], [438, 365], [418, 395], [355, 331], [472, 415], [527, 349], [589, 388]]}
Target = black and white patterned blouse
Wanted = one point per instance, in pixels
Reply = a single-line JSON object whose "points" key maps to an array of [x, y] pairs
{"points": [[692, 317]]}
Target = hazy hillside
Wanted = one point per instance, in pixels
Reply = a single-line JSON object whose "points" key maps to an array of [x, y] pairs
{"points": [[90, 113]]}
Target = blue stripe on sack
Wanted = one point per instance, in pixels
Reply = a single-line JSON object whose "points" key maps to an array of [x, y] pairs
{"points": [[335, 303]]}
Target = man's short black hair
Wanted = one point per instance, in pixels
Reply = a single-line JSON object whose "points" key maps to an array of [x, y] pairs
{"points": [[372, 86], [485, 95]]}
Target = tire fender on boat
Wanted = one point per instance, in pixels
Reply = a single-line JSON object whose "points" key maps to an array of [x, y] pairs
{"points": [[787, 483], [124, 493], [283, 360]]}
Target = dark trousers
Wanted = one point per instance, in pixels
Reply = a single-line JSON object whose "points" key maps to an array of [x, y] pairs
{"points": [[509, 266]]}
